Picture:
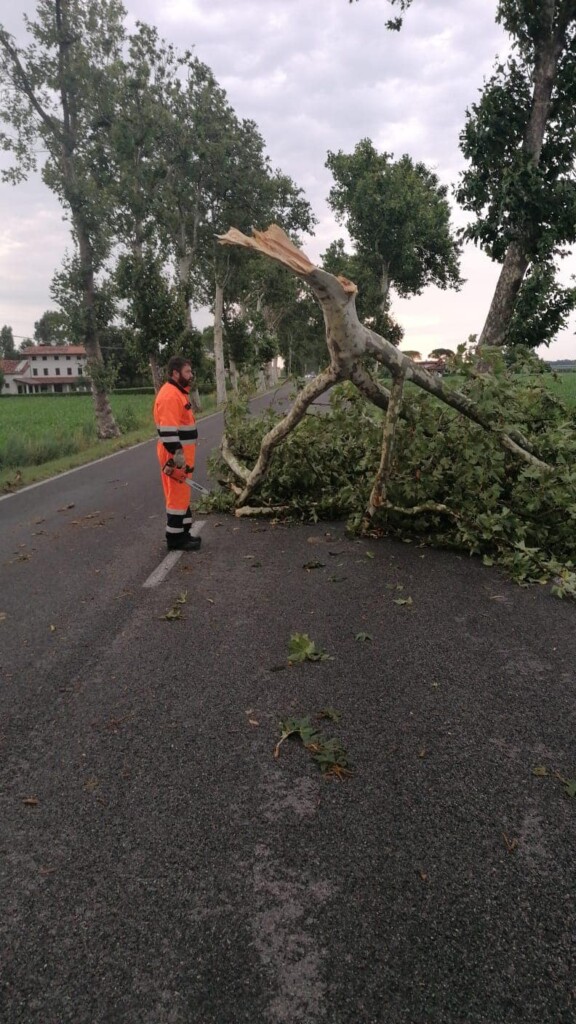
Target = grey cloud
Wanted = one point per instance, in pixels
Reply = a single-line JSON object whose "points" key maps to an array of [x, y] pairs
{"points": [[318, 75]]}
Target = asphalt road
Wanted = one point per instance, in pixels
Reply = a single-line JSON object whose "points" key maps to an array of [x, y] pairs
{"points": [[159, 866]]}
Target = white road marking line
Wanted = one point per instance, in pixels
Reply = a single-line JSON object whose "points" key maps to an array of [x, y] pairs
{"points": [[161, 571]]}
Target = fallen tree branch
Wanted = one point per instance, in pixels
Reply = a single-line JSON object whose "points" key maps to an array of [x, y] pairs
{"points": [[264, 510], [378, 493], [348, 343], [278, 432]]}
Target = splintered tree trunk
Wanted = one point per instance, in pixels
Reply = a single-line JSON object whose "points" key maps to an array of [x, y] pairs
{"points": [[219, 345], [349, 343]]}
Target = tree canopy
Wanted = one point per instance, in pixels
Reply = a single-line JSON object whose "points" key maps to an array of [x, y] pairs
{"points": [[398, 217]]}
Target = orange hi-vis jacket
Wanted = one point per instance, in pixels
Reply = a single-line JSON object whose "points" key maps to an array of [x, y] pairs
{"points": [[176, 428]]}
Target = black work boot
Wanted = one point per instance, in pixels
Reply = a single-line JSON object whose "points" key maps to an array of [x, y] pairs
{"points": [[186, 543], [192, 543]]}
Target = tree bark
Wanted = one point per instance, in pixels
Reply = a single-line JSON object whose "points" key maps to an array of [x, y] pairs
{"points": [[106, 425], [509, 282], [348, 343], [378, 494], [234, 376], [385, 287], [219, 345], [155, 372]]}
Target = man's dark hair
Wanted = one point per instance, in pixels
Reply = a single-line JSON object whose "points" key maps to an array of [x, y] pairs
{"points": [[176, 363]]}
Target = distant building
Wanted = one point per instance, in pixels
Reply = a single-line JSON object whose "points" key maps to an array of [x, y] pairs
{"points": [[45, 368]]}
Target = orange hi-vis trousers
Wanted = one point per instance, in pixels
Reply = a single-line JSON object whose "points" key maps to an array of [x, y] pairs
{"points": [[176, 428]]}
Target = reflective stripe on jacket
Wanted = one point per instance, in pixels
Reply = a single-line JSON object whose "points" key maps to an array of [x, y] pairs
{"points": [[175, 421]]}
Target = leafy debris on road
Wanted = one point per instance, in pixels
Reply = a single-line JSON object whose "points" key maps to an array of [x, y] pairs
{"points": [[175, 612], [327, 752], [331, 713], [363, 637], [510, 844], [302, 648], [541, 771], [313, 565]]}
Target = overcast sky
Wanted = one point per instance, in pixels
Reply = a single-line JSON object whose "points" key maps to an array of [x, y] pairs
{"points": [[315, 75]]}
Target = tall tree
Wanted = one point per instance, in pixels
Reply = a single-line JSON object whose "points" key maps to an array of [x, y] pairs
{"points": [[58, 91], [153, 307], [51, 328], [7, 343], [520, 140], [398, 217]]}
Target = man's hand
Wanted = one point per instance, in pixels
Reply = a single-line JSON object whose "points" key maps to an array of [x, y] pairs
{"points": [[179, 460], [177, 473]]}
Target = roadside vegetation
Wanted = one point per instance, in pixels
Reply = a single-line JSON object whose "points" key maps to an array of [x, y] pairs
{"points": [[41, 436]]}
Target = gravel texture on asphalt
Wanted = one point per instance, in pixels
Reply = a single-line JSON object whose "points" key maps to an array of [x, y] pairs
{"points": [[173, 871]]}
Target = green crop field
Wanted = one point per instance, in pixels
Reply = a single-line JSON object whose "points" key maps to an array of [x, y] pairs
{"points": [[44, 435], [36, 429], [563, 385]]}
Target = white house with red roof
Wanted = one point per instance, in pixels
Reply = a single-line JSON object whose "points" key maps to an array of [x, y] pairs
{"points": [[45, 368]]}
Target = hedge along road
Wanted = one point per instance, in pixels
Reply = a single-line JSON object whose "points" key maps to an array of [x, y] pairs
{"points": [[158, 864]]}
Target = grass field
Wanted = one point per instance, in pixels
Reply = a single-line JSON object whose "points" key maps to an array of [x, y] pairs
{"points": [[563, 385], [42, 436]]}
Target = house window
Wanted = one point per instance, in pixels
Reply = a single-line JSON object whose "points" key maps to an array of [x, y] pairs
{"points": [[57, 370], [44, 358], [68, 357], [34, 373], [69, 369], [79, 371], [45, 371], [56, 358]]}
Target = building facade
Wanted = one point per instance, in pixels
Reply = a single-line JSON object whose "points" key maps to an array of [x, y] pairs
{"points": [[41, 369]]}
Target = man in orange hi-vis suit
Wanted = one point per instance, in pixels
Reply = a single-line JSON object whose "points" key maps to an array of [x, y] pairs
{"points": [[176, 448]]}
